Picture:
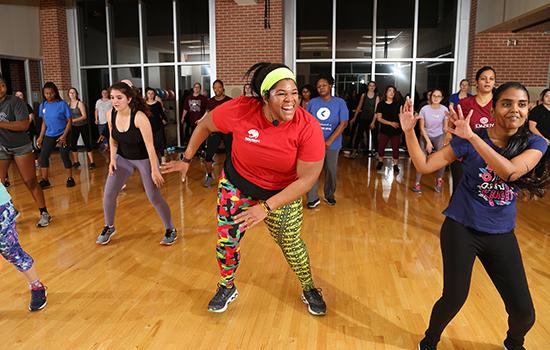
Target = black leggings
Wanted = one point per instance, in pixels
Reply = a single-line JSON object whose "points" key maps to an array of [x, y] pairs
{"points": [[48, 144], [501, 258], [73, 137]]}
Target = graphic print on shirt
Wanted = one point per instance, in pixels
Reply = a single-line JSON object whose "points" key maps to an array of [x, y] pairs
{"points": [[323, 114], [253, 135], [195, 105], [3, 117], [493, 190], [484, 123]]}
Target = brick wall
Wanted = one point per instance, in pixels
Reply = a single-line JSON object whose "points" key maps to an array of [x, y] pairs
{"points": [[55, 47], [17, 76], [527, 62], [241, 39]]}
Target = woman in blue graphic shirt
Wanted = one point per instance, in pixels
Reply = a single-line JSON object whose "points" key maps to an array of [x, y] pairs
{"points": [[480, 219]]}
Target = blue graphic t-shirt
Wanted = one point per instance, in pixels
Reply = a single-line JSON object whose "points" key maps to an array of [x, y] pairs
{"points": [[56, 115], [483, 201], [329, 114]]}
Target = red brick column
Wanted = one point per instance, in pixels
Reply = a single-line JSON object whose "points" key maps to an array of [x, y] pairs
{"points": [[241, 39], [55, 46]]}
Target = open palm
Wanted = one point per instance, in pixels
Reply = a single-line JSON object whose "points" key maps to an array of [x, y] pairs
{"points": [[462, 124], [406, 116]]}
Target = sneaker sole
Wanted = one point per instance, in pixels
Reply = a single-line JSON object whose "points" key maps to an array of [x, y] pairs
{"points": [[328, 203], [315, 205], [41, 306], [229, 300], [169, 243], [107, 241], [49, 221], [309, 308]]}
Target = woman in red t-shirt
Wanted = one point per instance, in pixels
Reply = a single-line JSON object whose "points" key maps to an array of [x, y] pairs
{"points": [[481, 104], [277, 154]]}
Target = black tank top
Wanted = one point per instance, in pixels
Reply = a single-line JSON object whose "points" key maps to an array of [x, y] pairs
{"points": [[130, 142], [368, 107]]}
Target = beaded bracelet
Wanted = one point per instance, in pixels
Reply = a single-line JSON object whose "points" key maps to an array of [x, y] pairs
{"points": [[265, 207]]}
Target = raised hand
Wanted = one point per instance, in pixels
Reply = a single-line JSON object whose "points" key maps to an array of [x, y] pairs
{"points": [[407, 117], [462, 124]]}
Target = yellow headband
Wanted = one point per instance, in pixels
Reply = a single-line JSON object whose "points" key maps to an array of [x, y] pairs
{"points": [[274, 76]]}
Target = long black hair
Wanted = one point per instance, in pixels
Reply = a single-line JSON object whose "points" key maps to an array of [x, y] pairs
{"points": [[258, 72], [51, 85], [533, 183]]}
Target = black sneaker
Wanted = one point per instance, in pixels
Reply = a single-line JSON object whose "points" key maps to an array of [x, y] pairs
{"points": [[379, 165], [330, 201], [396, 169], [38, 299], [70, 182], [423, 345], [44, 183], [170, 237], [314, 300], [91, 166], [76, 165], [222, 298], [313, 204], [508, 346]]}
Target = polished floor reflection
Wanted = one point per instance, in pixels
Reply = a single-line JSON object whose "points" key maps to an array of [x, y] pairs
{"points": [[375, 255]]}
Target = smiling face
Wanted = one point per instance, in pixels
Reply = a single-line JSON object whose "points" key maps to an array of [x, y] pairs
{"points": [[73, 94], [511, 109], [218, 89], [119, 100], [283, 100], [486, 81], [436, 96]]}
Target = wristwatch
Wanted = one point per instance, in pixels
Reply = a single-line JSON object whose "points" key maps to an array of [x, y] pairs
{"points": [[185, 159]]}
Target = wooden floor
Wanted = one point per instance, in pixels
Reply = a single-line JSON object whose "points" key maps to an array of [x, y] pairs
{"points": [[375, 255]]}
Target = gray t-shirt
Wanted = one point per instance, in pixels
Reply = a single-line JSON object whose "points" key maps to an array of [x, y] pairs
{"points": [[13, 109], [102, 108]]}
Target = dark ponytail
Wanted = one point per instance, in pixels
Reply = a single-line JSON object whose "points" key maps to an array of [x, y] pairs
{"points": [[258, 72], [533, 183]]}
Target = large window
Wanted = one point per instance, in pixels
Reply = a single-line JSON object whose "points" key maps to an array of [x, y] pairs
{"points": [[164, 44], [410, 44]]}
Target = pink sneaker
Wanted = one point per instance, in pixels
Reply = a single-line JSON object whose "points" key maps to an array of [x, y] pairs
{"points": [[416, 188]]}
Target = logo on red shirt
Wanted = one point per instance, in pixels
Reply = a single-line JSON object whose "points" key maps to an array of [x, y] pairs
{"points": [[253, 135]]}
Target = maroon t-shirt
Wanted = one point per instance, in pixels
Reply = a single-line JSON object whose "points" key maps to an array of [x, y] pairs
{"points": [[195, 107], [213, 103], [481, 117]]}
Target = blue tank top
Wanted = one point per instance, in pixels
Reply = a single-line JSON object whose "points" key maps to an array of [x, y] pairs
{"points": [[130, 142]]}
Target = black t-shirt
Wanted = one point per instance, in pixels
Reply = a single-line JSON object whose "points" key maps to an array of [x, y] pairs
{"points": [[390, 112], [213, 103], [157, 116], [541, 116]]}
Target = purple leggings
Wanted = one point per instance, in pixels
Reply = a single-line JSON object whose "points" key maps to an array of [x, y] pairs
{"points": [[125, 168], [9, 241]]}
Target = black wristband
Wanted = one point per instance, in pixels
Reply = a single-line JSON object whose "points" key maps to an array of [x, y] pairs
{"points": [[185, 159]]}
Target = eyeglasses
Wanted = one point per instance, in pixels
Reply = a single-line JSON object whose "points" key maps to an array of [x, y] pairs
{"points": [[437, 96]]}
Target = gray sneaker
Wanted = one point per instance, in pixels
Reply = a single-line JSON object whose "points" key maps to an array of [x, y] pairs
{"points": [[44, 220], [169, 237], [105, 235], [208, 181]]}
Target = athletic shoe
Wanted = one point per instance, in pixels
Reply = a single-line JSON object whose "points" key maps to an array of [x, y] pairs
{"points": [[44, 183], [76, 165], [314, 300], [38, 299], [44, 220], [208, 181], [222, 298], [313, 204], [91, 166], [508, 346], [379, 165], [396, 169], [105, 235], [416, 188], [424, 346], [330, 201], [70, 182], [438, 185], [354, 154], [169, 237]]}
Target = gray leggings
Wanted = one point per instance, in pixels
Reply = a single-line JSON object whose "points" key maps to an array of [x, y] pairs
{"points": [[437, 142], [125, 168]]}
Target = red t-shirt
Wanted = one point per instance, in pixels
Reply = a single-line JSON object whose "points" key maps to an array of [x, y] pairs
{"points": [[263, 153], [481, 118]]}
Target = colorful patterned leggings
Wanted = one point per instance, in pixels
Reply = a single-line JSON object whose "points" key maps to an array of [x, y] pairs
{"points": [[9, 241], [284, 224]]}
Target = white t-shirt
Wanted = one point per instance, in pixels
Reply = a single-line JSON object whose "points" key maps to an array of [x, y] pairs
{"points": [[433, 119], [102, 108]]}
